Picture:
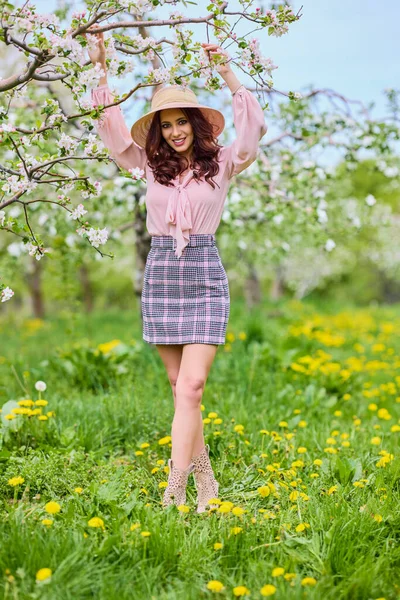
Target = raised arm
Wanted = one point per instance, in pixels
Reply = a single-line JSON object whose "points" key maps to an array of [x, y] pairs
{"points": [[111, 127], [115, 134], [250, 127], [248, 115]]}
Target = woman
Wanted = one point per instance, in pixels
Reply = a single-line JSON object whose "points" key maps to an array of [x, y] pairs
{"points": [[185, 297]]}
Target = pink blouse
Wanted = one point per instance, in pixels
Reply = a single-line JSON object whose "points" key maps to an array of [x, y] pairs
{"points": [[191, 206]]}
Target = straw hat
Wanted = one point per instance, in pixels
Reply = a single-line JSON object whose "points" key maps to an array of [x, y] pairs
{"points": [[174, 96]]}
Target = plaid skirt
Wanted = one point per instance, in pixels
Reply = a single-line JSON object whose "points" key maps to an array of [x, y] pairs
{"points": [[185, 300]]}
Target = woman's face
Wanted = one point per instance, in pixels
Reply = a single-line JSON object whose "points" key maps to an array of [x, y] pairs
{"points": [[176, 127]]}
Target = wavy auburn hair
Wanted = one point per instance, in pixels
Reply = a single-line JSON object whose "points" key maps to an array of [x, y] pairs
{"points": [[167, 164]]}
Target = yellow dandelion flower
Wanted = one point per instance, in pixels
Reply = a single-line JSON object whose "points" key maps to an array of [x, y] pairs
{"points": [[139, 453], [212, 415], [264, 491], [383, 413], [301, 450], [302, 423], [144, 445], [308, 581], [96, 522], [134, 526], [10, 417], [277, 571], [317, 462], [47, 522], [43, 418], [236, 530], [268, 590], [378, 518], [41, 403], [165, 440], [241, 590], [242, 335], [332, 490], [108, 346], [293, 496], [358, 484], [145, 534], [376, 441], [314, 475], [218, 546], [289, 576], [183, 508], [300, 527], [395, 428], [338, 413], [214, 501], [163, 484], [224, 508], [14, 481], [52, 507], [215, 586], [43, 574], [238, 511], [372, 406]]}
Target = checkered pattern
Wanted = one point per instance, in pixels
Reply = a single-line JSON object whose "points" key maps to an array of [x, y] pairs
{"points": [[185, 300]]}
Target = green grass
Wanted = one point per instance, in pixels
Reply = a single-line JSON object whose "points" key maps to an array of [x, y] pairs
{"points": [[105, 405]]}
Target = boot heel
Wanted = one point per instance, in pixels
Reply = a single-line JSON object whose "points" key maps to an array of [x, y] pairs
{"points": [[206, 484]]}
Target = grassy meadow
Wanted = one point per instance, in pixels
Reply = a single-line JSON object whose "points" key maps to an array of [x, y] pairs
{"points": [[302, 414]]}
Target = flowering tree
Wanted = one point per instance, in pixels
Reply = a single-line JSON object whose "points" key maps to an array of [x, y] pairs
{"points": [[52, 163]]}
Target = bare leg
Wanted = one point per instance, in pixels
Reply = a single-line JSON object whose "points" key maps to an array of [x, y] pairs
{"points": [[187, 433]]}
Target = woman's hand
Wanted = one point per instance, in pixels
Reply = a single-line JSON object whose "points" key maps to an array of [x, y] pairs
{"points": [[97, 54], [218, 54]]}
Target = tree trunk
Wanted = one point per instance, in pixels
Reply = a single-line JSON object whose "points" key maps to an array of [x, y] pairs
{"points": [[34, 280], [252, 291], [277, 287], [87, 289]]}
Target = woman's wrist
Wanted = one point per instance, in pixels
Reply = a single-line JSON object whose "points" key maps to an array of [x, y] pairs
{"points": [[103, 80], [231, 81]]}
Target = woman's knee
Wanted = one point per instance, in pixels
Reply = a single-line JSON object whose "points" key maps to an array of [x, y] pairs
{"points": [[189, 389]]}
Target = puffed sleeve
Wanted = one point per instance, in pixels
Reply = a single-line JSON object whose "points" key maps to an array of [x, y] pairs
{"points": [[250, 127], [114, 133]]}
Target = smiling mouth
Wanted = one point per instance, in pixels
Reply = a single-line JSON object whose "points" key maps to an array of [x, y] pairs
{"points": [[179, 142]]}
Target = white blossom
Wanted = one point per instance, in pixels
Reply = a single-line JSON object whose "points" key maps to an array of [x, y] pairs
{"points": [[277, 219], [79, 211], [136, 173], [370, 200], [330, 245], [16, 249], [6, 294], [97, 237], [2, 217], [67, 143], [35, 251]]}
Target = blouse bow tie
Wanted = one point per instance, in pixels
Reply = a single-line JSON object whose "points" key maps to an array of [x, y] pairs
{"points": [[178, 215]]}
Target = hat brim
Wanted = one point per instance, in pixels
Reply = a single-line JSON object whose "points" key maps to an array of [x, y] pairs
{"points": [[140, 128]]}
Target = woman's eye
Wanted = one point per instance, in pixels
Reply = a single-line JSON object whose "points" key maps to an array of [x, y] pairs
{"points": [[180, 123]]}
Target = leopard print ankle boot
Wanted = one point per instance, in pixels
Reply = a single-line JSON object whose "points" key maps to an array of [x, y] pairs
{"points": [[175, 492], [206, 484]]}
